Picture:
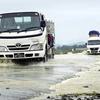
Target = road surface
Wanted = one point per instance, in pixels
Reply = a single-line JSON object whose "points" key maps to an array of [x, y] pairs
{"points": [[26, 82]]}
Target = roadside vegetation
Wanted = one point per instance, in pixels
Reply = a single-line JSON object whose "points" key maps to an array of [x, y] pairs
{"points": [[64, 49]]}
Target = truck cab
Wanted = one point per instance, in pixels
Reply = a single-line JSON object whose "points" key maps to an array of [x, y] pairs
{"points": [[24, 35]]}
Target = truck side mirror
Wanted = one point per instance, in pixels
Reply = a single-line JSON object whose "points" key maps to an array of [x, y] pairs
{"points": [[85, 43], [43, 24]]}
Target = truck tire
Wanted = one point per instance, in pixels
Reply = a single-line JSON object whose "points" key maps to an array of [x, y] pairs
{"points": [[45, 58], [52, 56]]}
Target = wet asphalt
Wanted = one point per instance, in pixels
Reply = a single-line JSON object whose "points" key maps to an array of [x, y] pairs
{"points": [[23, 82]]}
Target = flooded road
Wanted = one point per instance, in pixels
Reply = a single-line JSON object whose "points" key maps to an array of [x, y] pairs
{"points": [[23, 82]]}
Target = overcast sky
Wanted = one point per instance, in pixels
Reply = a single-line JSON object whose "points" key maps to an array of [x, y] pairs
{"points": [[73, 18]]}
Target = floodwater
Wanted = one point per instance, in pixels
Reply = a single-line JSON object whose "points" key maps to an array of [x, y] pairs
{"points": [[23, 82]]}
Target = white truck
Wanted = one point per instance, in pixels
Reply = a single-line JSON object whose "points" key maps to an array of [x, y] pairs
{"points": [[26, 35], [93, 43]]}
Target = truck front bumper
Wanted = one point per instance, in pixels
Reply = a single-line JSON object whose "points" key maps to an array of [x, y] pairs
{"points": [[93, 51], [22, 55]]}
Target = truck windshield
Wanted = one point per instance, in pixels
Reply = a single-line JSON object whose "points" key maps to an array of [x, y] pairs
{"points": [[18, 22], [94, 42]]}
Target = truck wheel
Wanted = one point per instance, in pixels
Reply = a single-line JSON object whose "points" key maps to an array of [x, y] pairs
{"points": [[45, 58], [52, 56]]}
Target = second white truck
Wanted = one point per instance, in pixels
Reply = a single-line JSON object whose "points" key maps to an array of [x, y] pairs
{"points": [[93, 43]]}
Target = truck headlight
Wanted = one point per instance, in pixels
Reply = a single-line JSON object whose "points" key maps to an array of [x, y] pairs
{"points": [[37, 46], [2, 48]]}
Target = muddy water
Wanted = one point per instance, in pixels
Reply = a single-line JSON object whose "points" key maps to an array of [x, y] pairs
{"points": [[23, 82]]}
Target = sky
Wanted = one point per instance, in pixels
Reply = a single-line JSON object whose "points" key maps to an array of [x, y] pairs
{"points": [[73, 18]]}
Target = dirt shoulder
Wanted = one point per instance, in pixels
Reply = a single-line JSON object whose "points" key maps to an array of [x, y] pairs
{"points": [[87, 81], [85, 84]]}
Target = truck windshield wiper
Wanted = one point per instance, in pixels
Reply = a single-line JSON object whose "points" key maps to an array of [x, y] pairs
{"points": [[27, 29], [9, 30]]}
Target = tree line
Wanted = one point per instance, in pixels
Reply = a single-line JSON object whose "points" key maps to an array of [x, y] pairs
{"points": [[64, 49]]}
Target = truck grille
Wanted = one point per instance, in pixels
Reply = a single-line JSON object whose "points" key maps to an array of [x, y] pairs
{"points": [[94, 48], [15, 48]]}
